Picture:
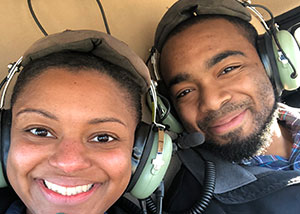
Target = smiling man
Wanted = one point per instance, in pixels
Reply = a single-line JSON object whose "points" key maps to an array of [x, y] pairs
{"points": [[218, 85]]}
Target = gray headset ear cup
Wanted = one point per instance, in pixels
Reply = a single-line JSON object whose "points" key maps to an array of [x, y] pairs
{"points": [[264, 46], [144, 138], [146, 177], [168, 119], [287, 56], [5, 144], [276, 65], [171, 120]]}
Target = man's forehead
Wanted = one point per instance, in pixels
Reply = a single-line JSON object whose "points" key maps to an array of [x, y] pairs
{"points": [[207, 26], [207, 34], [185, 9]]}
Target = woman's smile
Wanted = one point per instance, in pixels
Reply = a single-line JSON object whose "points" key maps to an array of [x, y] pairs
{"points": [[65, 194]]}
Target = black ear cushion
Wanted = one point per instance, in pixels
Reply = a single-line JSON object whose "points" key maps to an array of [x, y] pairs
{"points": [[5, 137], [264, 45], [144, 138]]}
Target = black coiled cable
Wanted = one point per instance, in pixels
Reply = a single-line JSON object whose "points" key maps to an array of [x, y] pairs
{"points": [[150, 205], [159, 194], [208, 189]]}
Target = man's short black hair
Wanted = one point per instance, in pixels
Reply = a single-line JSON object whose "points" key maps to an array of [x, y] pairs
{"points": [[246, 29]]}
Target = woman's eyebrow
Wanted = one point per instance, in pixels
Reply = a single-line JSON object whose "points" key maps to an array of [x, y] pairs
{"points": [[53, 117], [106, 120], [38, 111]]}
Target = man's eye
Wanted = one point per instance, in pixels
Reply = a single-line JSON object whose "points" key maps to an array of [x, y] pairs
{"points": [[229, 69], [183, 93], [103, 138], [41, 132]]}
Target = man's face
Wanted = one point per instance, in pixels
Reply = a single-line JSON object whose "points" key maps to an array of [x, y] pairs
{"points": [[218, 84]]}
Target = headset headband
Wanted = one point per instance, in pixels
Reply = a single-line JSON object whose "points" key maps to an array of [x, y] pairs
{"points": [[99, 44], [185, 9]]}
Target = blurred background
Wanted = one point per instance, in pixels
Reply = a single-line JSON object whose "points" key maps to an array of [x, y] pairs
{"points": [[132, 21]]}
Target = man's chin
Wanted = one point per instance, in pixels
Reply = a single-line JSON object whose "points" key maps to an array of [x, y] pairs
{"points": [[233, 152], [233, 148]]}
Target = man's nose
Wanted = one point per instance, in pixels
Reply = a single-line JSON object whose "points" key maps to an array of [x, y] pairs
{"points": [[213, 96], [70, 156]]}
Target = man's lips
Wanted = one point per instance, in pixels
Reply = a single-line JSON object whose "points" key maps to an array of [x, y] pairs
{"points": [[228, 123]]}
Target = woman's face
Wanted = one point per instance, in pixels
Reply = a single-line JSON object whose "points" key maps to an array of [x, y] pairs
{"points": [[71, 142]]}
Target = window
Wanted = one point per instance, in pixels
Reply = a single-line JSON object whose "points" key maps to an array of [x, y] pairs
{"points": [[290, 21], [297, 33]]}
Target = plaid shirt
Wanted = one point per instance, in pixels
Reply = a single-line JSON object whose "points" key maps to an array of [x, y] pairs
{"points": [[291, 117]]}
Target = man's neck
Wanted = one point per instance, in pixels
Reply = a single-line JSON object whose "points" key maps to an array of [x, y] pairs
{"points": [[282, 142]]}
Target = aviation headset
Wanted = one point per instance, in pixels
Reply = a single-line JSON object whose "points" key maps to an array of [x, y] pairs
{"points": [[152, 147], [277, 49]]}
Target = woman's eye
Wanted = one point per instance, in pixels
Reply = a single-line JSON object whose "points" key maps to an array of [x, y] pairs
{"points": [[41, 132], [183, 93], [229, 69], [103, 138]]}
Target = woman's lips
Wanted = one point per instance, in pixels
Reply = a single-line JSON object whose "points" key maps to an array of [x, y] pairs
{"points": [[225, 125], [66, 195], [67, 191]]}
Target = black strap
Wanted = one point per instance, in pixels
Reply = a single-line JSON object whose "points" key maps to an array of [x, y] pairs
{"points": [[237, 184], [193, 162]]}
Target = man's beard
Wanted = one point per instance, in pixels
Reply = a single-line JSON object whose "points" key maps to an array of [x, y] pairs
{"points": [[239, 148]]}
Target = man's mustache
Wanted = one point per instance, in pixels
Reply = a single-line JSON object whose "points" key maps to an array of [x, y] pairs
{"points": [[211, 116]]}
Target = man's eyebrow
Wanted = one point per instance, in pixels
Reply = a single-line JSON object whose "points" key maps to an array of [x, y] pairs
{"points": [[211, 62], [105, 120], [223, 55], [178, 79], [38, 111]]}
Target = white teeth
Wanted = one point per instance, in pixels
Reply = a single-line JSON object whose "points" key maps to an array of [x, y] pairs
{"points": [[67, 190]]}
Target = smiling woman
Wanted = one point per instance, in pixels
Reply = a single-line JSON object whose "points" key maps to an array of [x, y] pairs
{"points": [[73, 123], [71, 152]]}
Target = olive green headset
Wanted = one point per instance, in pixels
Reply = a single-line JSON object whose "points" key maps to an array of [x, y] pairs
{"points": [[278, 49], [152, 147], [279, 53]]}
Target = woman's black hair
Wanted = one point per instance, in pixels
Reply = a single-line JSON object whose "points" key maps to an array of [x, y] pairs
{"points": [[78, 61]]}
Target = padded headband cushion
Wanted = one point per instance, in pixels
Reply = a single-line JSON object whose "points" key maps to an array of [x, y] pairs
{"points": [[99, 44], [185, 9]]}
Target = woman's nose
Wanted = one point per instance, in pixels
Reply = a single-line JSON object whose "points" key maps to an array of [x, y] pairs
{"points": [[70, 156]]}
